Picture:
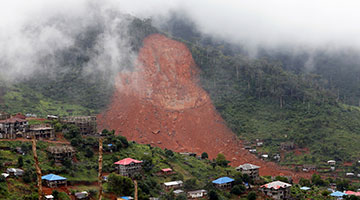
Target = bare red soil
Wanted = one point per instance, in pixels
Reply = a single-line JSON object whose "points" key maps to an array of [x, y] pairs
{"points": [[161, 103]]}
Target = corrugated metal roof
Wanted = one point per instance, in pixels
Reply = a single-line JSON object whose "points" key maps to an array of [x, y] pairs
{"points": [[127, 161], [223, 180], [276, 185], [53, 177]]}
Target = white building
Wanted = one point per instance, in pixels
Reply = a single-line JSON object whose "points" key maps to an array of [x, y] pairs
{"points": [[277, 190], [197, 194], [173, 184]]}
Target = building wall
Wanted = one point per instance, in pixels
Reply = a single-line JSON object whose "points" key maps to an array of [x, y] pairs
{"points": [[130, 170], [279, 194]]}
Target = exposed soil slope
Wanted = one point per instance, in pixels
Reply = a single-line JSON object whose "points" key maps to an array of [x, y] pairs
{"points": [[162, 104]]}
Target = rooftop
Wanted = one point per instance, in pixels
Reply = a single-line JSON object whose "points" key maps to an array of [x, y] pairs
{"points": [[166, 170], [172, 183], [127, 161], [223, 180], [197, 191], [13, 120], [248, 166], [276, 185], [53, 177]]}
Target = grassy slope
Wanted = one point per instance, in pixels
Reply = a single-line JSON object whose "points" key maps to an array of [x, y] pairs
{"points": [[20, 98]]}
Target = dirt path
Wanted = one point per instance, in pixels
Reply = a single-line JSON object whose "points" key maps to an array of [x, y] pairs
{"points": [[161, 103]]}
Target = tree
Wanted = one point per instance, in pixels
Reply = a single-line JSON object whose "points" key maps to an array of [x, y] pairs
{"points": [[213, 195], [89, 153], [72, 131], [120, 185], [67, 163], [204, 155], [221, 160], [316, 180], [20, 161], [238, 189], [169, 153], [251, 196], [281, 178], [147, 163], [55, 194], [305, 182], [181, 197], [190, 184]]}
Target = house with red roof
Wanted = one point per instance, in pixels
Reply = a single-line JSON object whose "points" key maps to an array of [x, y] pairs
{"points": [[129, 166], [166, 171], [277, 190]]}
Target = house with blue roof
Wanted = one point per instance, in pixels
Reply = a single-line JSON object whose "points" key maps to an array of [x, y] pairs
{"points": [[223, 182], [52, 180]]}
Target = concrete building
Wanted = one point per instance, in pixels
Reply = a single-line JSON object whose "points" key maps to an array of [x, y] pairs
{"points": [[4, 115], [13, 127], [277, 190], [40, 131], [86, 124], [251, 170], [129, 166], [60, 153]]}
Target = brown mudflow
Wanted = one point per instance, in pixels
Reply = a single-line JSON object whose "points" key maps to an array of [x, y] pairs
{"points": [[161, 103]]}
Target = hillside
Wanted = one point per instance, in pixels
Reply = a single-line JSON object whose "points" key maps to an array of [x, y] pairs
{"points": [[82, 173], [258, 98]]}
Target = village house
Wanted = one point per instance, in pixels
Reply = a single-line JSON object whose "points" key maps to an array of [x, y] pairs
{"points": [[178, 192], [86, 124], [173, 185], [277, 190], [251, 170], [60, 153], [52, 180], [166, 171], [197, 194], [13, 127], [15, 172], [52, 117], [308, 168], [331, 162], [82, 195], [44, 131], [223, 183], [188, 154], [287, 146], [4, 115], [49, 197], [129, 166]]}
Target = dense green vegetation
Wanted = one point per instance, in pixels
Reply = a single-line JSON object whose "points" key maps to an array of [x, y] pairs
{"points": [[259, 99], [71, 87], [195, 173]]}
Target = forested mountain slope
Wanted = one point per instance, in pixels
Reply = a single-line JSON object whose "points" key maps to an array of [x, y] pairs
{"points": [[264, 98]]}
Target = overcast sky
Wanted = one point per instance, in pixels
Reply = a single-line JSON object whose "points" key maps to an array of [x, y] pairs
{"points": [[309, 23]]}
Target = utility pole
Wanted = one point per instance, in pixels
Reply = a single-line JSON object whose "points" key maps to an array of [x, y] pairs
{"points": [[100, 167], [38, 170], [136, 190]]}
